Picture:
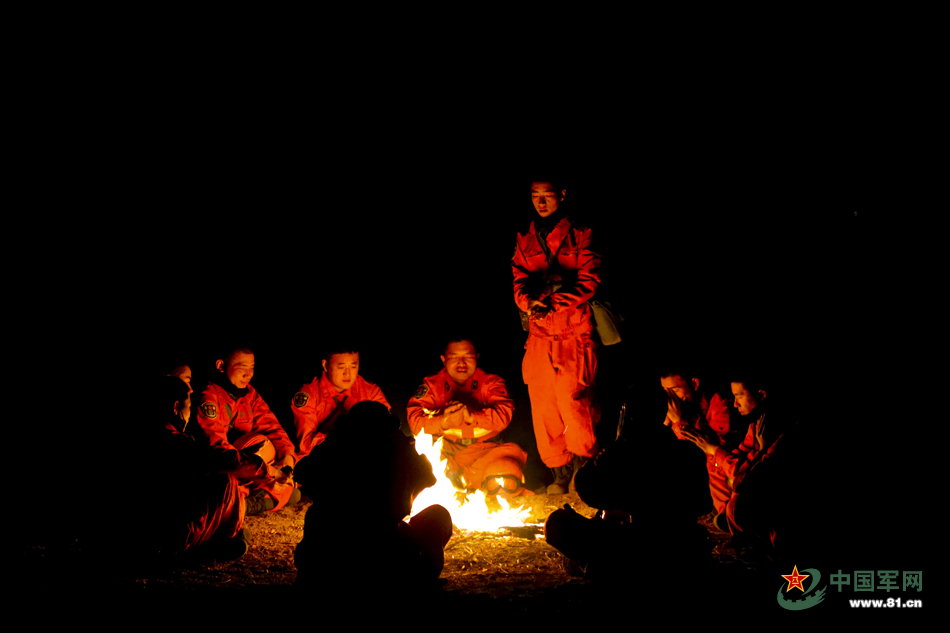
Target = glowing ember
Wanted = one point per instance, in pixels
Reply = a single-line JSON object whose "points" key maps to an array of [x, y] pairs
{"points": [[472, 513]]}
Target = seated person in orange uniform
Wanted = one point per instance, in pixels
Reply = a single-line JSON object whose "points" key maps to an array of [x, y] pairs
{"points": [[317, 405], [761, 504], [232, 412], [195, 485], [703, 419], [184, 373], [468, 408], [611, 546]]}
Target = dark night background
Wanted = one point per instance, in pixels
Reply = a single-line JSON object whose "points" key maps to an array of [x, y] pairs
{"points": [[729, 261]]}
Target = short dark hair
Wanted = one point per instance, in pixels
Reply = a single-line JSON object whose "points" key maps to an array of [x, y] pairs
{"points": [[173, 369], [459, 339], [684, 370], [556, 181], [348, 347], [234, 352], [752, 380]]}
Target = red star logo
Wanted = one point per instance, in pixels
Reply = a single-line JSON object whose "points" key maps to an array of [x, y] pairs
{"points": [[795, 579]]}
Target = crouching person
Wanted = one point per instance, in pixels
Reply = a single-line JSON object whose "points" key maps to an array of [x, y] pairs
{"points": [[196, 501], [762, 505], [468, 408], [367, 473], [650, 526], [234, 416]]}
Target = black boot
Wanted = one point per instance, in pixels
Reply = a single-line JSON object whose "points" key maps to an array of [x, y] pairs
{"points": [[562, 479], [258, 502]]}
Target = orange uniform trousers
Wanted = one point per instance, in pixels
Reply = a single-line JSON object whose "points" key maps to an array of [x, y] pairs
{"points": [[559, 371]]}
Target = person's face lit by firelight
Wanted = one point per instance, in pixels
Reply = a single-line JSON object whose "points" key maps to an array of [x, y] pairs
{"points": [[678, 386], [183, 372], [184, 408], [545, 199], [239, 370], [342, 370], [460, 361], [746, 401]]}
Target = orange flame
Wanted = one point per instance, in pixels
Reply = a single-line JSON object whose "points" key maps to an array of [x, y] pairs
{"points": [[472, 513]]}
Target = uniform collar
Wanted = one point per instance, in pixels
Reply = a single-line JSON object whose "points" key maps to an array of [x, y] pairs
{"points": [[329, 391], [221, 380], [555, 235], [478, 378]]}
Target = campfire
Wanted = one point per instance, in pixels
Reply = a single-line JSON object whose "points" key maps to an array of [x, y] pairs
{"points": [[471, 511]]}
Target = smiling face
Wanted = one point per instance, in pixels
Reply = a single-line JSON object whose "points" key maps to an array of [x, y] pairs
{"points": [[240, 369], [545, 198], [460, 361], [342, 370]]}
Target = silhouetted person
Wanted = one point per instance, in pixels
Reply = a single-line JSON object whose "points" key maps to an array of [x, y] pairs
{"points": [[363, 479]]}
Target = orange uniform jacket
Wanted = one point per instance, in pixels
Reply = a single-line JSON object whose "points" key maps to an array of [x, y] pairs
{"points": [[487, 398], [225, 415], [577, 270], [321, 402], [560, 360], [764, 506], [715, 417], [198, 488]]}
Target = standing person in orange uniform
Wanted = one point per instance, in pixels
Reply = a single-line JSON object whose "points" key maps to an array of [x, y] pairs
{"points": [[317, 405], [232, 413], [468, 408], [556, 274]]}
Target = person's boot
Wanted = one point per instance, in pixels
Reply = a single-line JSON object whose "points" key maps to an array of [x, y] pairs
{"points": [[258, 502], [562, 479], [226, 549], [577, 462]]}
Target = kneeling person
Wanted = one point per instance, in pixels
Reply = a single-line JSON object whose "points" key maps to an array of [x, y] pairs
{"points": [[468, 409]]}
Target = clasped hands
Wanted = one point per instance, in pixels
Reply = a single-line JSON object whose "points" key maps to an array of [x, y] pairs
{"points": [[454, 415]]}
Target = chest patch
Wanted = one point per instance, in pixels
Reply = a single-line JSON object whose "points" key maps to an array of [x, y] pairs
{"points": [[474, 385], [209, 410], [421, 391], [300, 399]]}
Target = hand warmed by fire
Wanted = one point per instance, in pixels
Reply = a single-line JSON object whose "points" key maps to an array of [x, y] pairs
{"points": [[469, 511]]}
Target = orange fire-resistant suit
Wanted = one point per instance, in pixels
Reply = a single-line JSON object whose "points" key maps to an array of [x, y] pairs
{"points": [[227, 413], [197, 488], [560, 359], [317, 405], [759, 503], [199, 497], [715, 419], [468, 457]]}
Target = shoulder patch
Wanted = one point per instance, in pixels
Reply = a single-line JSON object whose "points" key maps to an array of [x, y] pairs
{"points": [[301, 398], [421, 391], [209, 410]]}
